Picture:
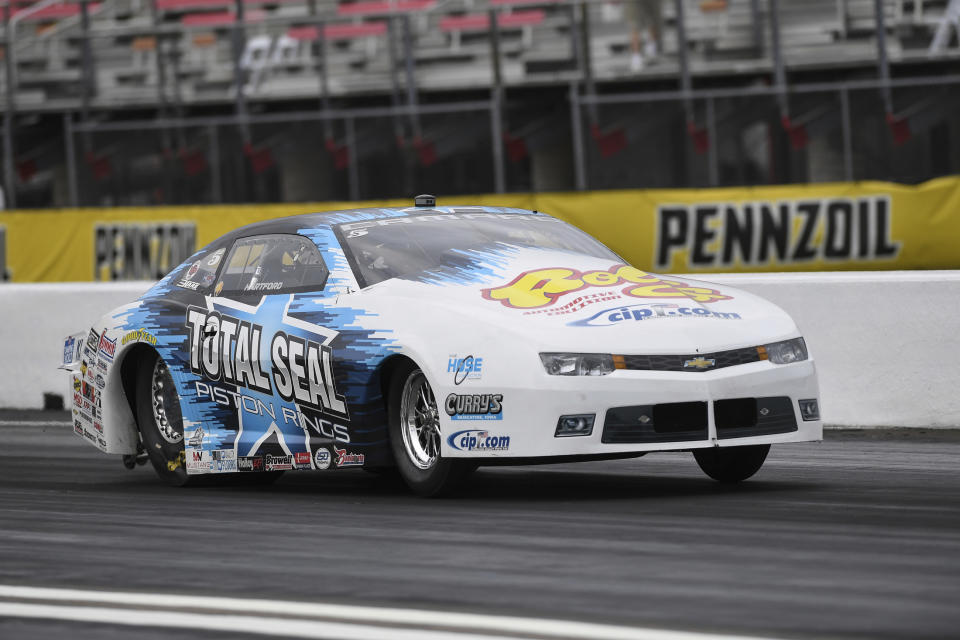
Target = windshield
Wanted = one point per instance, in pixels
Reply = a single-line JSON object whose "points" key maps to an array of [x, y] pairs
{"points": [[392, 247]]}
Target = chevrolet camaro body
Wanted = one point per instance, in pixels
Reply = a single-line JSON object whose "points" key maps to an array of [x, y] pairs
{"points": [[537, 341]]}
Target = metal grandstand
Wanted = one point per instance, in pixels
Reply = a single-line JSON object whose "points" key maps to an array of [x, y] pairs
{"points": [[182, 101]]}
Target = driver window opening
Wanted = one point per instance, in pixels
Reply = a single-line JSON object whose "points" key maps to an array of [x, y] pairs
{"points": [[276, 263]]}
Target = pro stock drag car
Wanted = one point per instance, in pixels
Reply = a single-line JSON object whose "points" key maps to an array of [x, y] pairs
{"points": [[435, 339]]}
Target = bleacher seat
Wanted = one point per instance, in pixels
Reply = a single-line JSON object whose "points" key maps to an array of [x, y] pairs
{"points": [[451, 40]]}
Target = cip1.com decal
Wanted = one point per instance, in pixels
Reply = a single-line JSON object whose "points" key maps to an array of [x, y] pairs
{"points": [[478, 440], [476, 406], [637, 312]]}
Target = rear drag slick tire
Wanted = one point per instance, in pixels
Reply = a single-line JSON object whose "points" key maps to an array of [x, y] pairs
{"points": [[160, 421]]}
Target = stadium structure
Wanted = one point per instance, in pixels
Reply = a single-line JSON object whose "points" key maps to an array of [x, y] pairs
{"points": [[139, 102]]}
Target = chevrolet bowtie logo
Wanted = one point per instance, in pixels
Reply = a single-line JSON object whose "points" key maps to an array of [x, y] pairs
{"points": [[699, 363]]}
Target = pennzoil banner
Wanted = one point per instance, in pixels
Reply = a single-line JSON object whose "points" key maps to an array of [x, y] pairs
{"points": [[822, 227]]}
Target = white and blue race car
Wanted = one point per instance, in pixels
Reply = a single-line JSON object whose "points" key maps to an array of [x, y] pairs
{"points": [[434, 340]]}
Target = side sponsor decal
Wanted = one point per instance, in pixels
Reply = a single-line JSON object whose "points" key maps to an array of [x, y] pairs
{"points": [[256, 406], [322, 458], [77, 395], [69, 350], [93, 341], [346, 459], [138, 251], [278, 463], [301, 370], [223, 461], [483, 406], [140, 335], [468, 368], [107, 347], [250, 463], [478, 440], [301, 460], [648, 311], [760, 233], [198, 461], [187, 284], [196, 440], [543, 287]]}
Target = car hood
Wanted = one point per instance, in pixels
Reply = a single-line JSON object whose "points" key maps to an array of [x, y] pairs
{"points": [[565, 302]]}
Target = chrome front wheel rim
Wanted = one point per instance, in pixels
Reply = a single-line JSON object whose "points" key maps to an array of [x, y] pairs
{"points": [[420, 421], [164, 397]]}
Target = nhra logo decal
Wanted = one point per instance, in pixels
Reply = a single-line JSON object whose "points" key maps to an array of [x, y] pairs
{"points": [[302, 370], [543, 287], [638, 312], [477, 440], [485, 406]]}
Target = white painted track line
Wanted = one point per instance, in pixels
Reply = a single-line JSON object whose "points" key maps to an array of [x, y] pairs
{"points": [[306, 620]]}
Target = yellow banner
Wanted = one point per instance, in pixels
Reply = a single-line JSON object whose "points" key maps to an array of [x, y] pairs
{"points": [[839, 226]]}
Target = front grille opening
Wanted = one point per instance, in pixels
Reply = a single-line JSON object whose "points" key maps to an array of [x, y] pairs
{"points": [[745, 417], [679, 416], [678, 422], [736, 413]]}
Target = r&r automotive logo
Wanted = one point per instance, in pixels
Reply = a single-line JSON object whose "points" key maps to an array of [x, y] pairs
{"points": [[478, 440]]}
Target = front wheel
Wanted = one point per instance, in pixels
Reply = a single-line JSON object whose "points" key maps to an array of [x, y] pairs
{"points": [[415, 436], [731, 464]]}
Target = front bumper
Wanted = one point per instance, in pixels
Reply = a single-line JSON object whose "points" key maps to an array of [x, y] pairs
{"points": [[530, 413]]}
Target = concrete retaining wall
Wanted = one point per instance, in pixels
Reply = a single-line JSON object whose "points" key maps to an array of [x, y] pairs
{"points": [[886, 343]]}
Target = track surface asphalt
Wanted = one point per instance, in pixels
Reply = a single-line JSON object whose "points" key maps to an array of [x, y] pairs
{"points": [[858, 536]]}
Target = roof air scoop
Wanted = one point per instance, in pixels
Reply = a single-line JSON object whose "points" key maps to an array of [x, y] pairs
{"points": [[425, 200]]}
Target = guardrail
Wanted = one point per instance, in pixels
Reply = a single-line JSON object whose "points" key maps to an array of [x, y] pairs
{"points": [[884, 342]]}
